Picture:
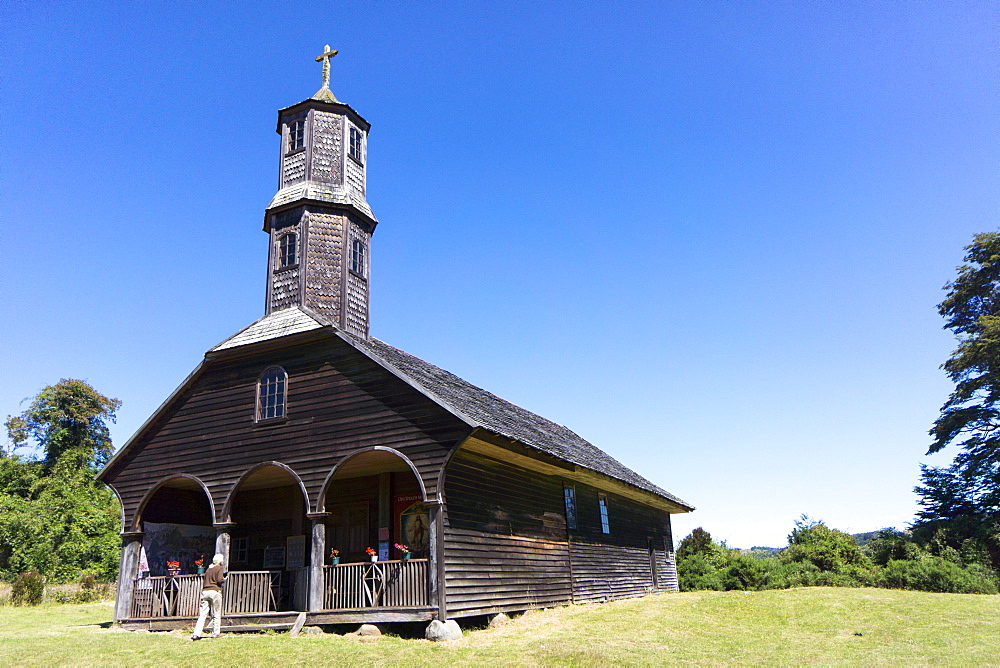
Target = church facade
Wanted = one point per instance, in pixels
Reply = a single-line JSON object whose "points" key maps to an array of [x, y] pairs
{"points": [[351, 481]]}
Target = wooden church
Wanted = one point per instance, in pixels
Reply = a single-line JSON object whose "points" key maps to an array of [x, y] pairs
{"points": [[346, 479]]}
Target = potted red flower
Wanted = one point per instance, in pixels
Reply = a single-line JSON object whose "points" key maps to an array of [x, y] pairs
{"points": [[372, 553]]}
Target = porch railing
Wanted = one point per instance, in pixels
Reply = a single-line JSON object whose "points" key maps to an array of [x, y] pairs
{"points": [[250, 591], [180, 596], [378, 584], [164, 596]]}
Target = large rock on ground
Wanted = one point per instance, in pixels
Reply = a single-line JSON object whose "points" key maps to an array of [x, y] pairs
{"points": [[369, 630], [499, 619], [438, 630]]}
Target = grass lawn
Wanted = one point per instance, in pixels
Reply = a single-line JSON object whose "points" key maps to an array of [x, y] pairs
{"points": [[816, 625]]}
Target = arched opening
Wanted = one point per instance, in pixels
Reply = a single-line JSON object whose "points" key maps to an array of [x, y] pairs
{"points": [[267, 509], [374, 499], [377, 534], [176, 521]]}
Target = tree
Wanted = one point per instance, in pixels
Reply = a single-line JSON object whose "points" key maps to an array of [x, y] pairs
{"points": [[961, 502], [698, 541], [66, 524], [67, 420], [829, 549], [54, 518], [946, 493], [971, 415]]}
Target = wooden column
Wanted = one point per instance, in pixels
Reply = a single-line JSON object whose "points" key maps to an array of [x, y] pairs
{"points": [[385, 509], [436, 555], [316, 556], [131, 546], [222, 541]]}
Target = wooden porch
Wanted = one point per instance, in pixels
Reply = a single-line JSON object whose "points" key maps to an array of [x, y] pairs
{"points": [[381, 591]]}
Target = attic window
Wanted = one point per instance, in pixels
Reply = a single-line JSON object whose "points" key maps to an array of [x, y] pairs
{"points": [[287, 250], [296, 135], [271, 394], [602, 500], [358, 257], [357, 145], [569, 496]]}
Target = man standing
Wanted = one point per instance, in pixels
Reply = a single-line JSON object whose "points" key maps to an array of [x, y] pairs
{"points": [[211, 599]]}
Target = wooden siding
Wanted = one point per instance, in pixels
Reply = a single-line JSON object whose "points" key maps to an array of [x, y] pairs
{"points": [[505, 538], [487, 573], [507, 546], [619, 564], [338, 402]]}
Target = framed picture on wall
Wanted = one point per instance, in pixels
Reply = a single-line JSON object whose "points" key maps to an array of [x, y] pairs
{"points": [[274, 557], [295, 556]]}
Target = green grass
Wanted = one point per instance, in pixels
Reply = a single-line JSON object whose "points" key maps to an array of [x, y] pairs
{"points": [[791, 627]]}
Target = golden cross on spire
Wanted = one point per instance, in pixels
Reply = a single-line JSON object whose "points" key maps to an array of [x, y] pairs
{"points": [[325, 93]]}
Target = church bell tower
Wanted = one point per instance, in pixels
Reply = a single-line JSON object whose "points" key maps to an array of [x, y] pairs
{"points": [[319, 222]]}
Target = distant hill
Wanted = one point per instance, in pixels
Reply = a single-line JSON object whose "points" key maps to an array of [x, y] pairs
{"points": [[763, 552], [862, 538]]}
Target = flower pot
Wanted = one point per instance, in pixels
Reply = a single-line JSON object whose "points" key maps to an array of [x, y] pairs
{"points": [[173, 572], [334, 561], [201, 570], [374, 558], [406, 556]]}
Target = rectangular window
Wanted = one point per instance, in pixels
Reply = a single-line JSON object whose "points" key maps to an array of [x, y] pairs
{"points": [[569, 496], [296, 135], [603, 501], [357, 145], [271, 394], [241, 548], [358, 257], [287, 250]]}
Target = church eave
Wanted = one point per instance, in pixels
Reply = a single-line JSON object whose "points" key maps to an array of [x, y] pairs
{"points": [[364, 213], [498, 446], [336, 107]]}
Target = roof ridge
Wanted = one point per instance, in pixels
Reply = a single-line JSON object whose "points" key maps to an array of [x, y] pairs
{"points": [[287, 314]]}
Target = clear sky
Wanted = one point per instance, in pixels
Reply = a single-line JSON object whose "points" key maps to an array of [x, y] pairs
{"points": [[709, 237]]}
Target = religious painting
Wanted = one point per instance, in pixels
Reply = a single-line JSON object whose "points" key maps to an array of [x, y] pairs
{"points": [[414, 525], [184, 544]]}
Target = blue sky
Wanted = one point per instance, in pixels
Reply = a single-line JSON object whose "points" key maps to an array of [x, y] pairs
{"points": [[707, 236]]}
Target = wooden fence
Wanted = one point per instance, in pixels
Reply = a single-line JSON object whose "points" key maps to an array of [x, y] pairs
{"points": [[378, 584], [180, 596], [250, 591]]}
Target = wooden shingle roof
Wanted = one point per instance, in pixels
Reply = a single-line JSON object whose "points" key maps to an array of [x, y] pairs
{"points": [[502, 417], [473, 405]]}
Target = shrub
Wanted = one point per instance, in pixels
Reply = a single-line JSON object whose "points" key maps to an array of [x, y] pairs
{"points": [[90, 588], [828, 549], [28, 588], [744, 572], [63, 596], [889, 545], [695, 572], [937, 574]]}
